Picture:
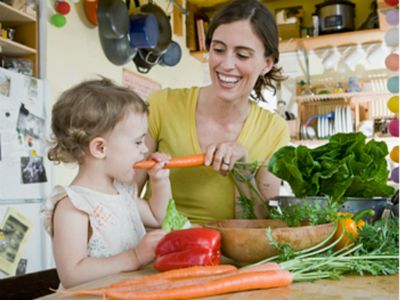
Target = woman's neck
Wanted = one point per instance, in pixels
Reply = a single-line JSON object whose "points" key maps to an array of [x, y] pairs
{"points": [[224, 111], [91, 176]]}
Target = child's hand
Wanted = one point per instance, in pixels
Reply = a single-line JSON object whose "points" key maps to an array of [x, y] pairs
{"points": [[157, 172], [145, 251]]}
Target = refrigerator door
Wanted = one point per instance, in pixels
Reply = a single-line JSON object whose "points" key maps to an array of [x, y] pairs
{"points": [[28, 250]]}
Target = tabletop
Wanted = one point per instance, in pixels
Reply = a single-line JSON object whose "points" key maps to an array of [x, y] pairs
{"points": [[349, 287]]}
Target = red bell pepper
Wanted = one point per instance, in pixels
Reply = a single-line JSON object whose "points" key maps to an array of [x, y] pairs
{"points": [[188, 247], [187, 258]]}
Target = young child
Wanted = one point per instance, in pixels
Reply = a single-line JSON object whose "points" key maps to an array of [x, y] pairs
{"points": [[96, 223]]}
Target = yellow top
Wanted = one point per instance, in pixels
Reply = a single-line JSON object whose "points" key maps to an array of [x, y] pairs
{"points": [[199, 192]]}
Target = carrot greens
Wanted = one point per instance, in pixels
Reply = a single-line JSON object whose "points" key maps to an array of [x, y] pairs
{"points": [[375, 252]]}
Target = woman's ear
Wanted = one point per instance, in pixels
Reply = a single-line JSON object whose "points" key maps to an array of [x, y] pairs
{"points": [[269, 63], [97, 147]]}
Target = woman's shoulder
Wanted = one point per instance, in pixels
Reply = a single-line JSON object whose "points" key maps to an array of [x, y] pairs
{"points": [[172, 94], [266, 114]]}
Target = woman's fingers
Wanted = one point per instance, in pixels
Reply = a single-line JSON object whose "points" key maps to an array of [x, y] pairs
{"points": [[223, 156]]}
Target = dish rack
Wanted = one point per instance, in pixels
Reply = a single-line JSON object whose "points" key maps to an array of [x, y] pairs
{"points": [[320, 116]]}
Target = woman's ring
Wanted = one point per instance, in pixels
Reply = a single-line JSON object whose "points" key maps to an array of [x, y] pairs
{"points": [[225, 163]]}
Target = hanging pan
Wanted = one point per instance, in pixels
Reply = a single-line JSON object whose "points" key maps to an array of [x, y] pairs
{"points": [[163, 25], [172, 56], [117, 51], [113, 19]]}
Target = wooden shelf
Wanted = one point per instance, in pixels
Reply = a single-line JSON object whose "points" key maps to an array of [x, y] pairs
{"points": [[24, 45], [9, 47], [323, 97], [318, 42], [319, 142], [10, 14]]}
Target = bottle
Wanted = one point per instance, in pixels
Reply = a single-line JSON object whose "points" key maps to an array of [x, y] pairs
{"points": [[315, 22]]}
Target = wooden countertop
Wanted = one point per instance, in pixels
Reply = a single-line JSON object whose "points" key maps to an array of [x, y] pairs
{"points": [[349, 287]]}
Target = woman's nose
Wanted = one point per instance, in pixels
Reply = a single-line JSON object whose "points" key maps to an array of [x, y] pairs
{"points": [[228, 61]]}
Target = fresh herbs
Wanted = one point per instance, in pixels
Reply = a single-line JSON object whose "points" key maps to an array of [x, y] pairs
{"points": [[347, 166], [309, 213], [243, 174]]}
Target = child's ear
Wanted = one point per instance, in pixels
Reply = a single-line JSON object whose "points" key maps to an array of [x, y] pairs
{"points": [[97, 147]]}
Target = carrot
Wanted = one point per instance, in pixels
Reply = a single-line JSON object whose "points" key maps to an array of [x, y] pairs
{"points": [[176, 162], [148, 281], [235, 282], [263, 267]]}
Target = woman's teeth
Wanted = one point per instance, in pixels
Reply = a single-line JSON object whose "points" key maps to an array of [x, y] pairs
{"points": [[228, 79]]}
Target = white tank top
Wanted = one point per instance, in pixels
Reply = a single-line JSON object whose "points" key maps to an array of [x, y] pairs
{"points": [[114, 219]]}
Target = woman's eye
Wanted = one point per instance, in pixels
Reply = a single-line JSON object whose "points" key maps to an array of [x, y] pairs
{"points": [[243, 56], [138, 143], [218, 50]]}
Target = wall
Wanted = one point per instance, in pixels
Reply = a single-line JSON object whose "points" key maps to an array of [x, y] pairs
{"points": [[74, 53]]}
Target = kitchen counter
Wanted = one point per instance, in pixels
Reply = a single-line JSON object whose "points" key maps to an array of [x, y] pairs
{"points": [[349, 287]]}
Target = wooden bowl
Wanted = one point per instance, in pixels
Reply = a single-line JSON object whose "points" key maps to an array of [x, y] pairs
{"points": [[245, 241]]}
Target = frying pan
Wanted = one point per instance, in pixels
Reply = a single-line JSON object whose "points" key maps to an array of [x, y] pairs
{"points": [[163, 24], [145, 60], [113, 19], [117, 51]]}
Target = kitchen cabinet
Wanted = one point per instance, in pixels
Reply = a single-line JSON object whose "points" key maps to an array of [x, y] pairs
{"points": [[202, 9], [24, 43]]}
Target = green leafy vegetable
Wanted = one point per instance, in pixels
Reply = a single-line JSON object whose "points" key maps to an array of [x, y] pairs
{"points": [[347, 166], [173, 219], [307, 213]]}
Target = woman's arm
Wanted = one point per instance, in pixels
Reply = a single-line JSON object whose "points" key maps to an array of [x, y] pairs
{"points": [[70, 242], [268, 186]]}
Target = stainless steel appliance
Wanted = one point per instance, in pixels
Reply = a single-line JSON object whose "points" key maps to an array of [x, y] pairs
{"points": [[336, 16]]}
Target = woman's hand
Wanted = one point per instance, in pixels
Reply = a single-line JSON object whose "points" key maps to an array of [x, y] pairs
{"points": [[223, 156], [157, 172]]}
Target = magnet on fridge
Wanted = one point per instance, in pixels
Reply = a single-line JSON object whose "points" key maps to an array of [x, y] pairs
{"points": [[33, 153]]}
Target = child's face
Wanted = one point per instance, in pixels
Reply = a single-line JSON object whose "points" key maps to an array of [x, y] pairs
{"points": [[125, 146]]}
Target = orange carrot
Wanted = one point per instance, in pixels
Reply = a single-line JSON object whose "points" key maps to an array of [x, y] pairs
{"points": [[175, 162], [148, 281], [235, 282], [263, 267]]}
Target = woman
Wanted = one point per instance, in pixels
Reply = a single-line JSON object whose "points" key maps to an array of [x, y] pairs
{"points": [[221, 120]]}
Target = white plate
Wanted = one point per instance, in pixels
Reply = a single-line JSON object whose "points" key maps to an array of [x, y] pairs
{"points": [[343, 119], [336, 119], [326, 127], [349, 123], [319, 127]]}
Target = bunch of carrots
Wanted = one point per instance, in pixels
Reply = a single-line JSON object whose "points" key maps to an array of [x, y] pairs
{"points": [[193, 282]]}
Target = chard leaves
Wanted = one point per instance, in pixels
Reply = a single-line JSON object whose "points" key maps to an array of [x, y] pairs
{"points": [[347, 166]]}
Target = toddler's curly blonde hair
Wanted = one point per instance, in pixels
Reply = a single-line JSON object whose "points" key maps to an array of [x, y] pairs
{"points": [[86, 111]]}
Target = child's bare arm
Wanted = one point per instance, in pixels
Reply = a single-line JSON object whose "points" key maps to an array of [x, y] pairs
{"points": [[153, 211], [70, 242]]}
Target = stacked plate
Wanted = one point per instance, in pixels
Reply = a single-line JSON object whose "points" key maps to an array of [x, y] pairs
{"points": [[343, 119]]}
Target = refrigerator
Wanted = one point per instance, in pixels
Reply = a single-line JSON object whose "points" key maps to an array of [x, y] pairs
{"points": [[25, 173]]}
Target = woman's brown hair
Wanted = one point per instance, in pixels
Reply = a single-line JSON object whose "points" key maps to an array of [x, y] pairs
{"points": [[86, 111], [264, 26]]}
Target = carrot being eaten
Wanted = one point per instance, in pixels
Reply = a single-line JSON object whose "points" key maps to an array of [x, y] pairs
{"points": [[175, 162]]}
